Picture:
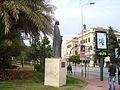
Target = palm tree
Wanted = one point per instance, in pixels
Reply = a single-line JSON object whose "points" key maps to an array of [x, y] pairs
{"points": [[30, 16]]}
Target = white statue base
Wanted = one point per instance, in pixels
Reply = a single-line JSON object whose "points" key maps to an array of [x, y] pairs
{"points": [[55, 72]]}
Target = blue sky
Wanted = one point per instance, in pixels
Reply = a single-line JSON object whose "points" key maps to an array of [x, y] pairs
{"points": [[103, 13]]}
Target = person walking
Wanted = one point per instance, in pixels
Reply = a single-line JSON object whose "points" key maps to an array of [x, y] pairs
{"points": [[69, 68], [112, 76]]}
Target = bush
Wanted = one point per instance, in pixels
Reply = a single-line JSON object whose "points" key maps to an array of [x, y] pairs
{"points": [[14, 75], [37, 67], [14, 67]]}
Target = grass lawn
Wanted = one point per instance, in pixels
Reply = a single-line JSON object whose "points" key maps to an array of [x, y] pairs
{"points": [[36, 83]]}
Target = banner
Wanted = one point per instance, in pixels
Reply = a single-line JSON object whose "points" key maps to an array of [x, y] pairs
{"points": [[101, 40], [82, 51]]}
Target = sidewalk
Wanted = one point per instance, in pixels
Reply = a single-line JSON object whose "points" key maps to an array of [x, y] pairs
{"points": [[94, 83]]}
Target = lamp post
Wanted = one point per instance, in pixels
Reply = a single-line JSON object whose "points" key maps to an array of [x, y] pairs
{"points": [[82, 25], [82, 12]]}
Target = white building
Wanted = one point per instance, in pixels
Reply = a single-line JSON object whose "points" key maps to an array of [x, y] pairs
{"points": [[87, 38], [71, 47]]}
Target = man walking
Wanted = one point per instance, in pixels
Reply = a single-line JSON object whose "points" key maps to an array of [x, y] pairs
{"points": [[112, 78], [69, 68]]}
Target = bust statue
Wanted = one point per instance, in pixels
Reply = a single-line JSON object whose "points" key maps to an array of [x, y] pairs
{"points": [[57, 41]]}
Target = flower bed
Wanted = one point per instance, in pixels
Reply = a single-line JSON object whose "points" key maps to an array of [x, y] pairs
{"points": [[14, 75]]}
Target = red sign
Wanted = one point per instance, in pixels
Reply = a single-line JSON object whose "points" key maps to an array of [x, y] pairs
{"points": [[82, 51]]}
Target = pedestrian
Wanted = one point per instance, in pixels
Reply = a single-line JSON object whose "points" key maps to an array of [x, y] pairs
{"points": [[112, 76], [69, 68]]}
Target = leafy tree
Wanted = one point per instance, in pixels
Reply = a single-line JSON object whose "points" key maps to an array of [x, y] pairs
{"points": [[10, 46], [32, 54], [31, 16], [112, 44], [41, 50], [75, 59], [44, 50], [24, 55]]}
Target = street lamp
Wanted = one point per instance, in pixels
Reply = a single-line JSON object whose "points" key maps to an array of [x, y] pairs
{"points": [[82, 12], [82, 24]]}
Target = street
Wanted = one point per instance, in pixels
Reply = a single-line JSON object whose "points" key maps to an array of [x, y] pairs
{"points": [[92, 71]]}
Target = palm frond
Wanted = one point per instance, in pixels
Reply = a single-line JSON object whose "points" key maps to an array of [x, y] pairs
{"points": [[38, 19], [6, 20], [33, 16], [11, 7]]}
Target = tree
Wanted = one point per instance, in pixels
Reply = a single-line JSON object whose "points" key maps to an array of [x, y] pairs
{"points": [[41, 50], [44, 50], [24, 55], [31, 16], [112, 44], [10, 46], [75, 59]]}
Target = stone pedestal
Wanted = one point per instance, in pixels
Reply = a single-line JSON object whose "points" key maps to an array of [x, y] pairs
{"points": [[55, 72]]}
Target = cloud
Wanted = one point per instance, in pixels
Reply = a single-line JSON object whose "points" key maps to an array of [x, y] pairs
{"points": [[103, 13]]}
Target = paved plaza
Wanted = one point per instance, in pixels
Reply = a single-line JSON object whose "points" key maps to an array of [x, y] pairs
{"points": [[93, 79]]}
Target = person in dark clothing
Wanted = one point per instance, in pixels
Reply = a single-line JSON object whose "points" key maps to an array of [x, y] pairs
{"points": [[69, 68], [112, 76]]}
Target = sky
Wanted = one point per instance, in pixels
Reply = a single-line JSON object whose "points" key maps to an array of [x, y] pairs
{"points": [[104, 13]]}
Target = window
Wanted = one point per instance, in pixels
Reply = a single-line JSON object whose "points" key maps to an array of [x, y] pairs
{"points": [[75, 45], [118, 40], [81, 41], [88, 39], [76, 52], [94, 39], [68, 46]]}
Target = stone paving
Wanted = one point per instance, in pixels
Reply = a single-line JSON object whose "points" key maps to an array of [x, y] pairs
{"points": [[94, 83]]}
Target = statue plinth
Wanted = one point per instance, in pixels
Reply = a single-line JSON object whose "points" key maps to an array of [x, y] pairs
{"points": [[55, 72]]}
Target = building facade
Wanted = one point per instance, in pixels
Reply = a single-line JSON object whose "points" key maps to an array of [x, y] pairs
{"points": [[87, 38], [71, 47]]}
